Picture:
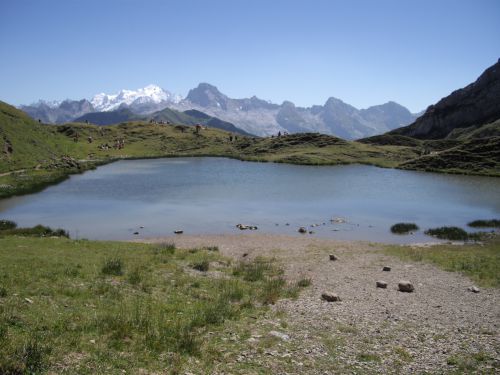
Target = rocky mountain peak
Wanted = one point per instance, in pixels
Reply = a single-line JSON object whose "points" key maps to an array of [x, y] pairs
{"points": [[207, 95]]}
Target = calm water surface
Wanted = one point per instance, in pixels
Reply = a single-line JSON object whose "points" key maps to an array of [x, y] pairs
{"points": [[212, 195]]}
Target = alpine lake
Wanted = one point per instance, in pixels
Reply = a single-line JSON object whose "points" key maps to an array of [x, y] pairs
{"points": [[134, 199]]}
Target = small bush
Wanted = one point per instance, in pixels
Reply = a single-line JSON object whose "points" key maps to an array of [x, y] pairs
{"points": [[404, 228], [113, 267], [7, 224], [485, 223], [201, 265], [448, 233], [304, 283], [3, 292]]}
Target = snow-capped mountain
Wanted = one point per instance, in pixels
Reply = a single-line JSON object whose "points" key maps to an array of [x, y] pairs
{"points": [[150, 94], [253, 115]]}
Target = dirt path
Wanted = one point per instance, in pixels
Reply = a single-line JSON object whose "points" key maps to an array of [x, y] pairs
{"points": [[12, 172], [441, 327]]}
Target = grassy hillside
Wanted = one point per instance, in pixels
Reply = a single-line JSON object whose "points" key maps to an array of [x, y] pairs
{"points": [[24, 143], [167, 115], [478, 156]]}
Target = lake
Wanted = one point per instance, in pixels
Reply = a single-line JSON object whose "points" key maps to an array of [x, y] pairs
{"points": [[212, 195]]}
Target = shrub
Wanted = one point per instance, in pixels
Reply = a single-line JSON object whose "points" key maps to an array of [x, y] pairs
{"points": [[404, 228], [36, 231], [448, 233], [304, 283], [113, 267], [485, 223], [7, 224], [3, 292], [201, 265]]}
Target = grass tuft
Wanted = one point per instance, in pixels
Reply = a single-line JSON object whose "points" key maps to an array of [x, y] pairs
{"points": [[304, 283], [448, 233], [201, 265], [404, 228], [485, 223], [113, 267], [257, 270]]}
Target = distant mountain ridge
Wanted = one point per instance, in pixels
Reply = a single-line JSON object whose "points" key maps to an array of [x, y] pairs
{"points": [[253, 115]]}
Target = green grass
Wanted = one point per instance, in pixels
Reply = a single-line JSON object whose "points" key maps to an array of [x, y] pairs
{"points": [[77, 306], [404, 228], [112, 267], [452, 234], [304, 283], [494, 223], [480, 262], [467, 362]]}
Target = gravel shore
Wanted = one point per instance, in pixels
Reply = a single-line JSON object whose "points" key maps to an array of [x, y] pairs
{"points": [[441, 327]]}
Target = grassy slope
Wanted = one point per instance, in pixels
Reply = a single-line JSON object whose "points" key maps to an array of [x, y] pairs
{"points": [[60, 312], [32, 143]]}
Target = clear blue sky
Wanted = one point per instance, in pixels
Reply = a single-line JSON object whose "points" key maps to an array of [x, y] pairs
{"points": [[363, 52]]}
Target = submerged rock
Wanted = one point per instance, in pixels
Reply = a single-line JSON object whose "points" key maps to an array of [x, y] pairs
{"points": [[302, 230]]}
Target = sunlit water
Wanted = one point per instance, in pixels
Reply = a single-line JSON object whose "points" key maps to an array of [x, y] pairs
{"points": [[212, 195]]}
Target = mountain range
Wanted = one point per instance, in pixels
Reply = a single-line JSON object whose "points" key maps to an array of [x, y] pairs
{"points": [[252, 115]]}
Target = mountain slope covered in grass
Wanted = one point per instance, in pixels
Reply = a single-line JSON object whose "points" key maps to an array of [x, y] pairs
{"points": [[25, 143]]}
